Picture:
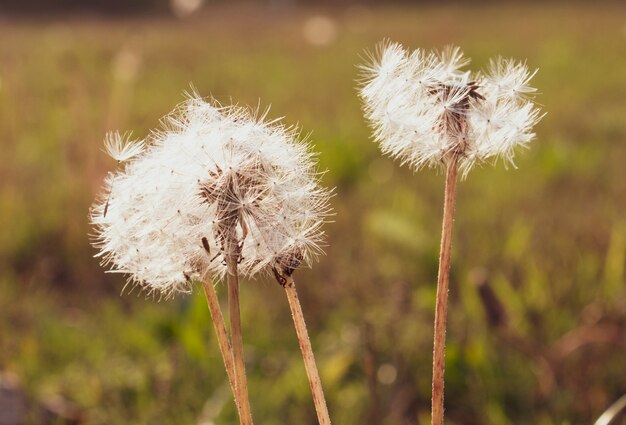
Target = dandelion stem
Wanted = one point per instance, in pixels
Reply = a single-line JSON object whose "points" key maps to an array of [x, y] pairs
{"points": [[222, 337], [241, 384], [307, 352], [439, 350]]}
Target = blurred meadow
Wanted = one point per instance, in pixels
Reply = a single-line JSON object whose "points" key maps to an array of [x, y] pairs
{"points": [[537, 320]]}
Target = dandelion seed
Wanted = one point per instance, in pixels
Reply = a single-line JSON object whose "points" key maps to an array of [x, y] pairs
{"points": [[121, 148], [205, 245]]}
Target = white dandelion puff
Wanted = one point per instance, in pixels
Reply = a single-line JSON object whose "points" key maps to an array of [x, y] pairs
{"points": [[214, 181], [425, 108]]}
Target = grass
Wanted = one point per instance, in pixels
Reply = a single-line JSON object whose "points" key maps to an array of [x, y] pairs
{"points": [[549, 236]]}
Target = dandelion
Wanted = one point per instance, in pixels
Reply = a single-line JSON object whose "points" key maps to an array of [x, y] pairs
{"points": [[427, 111], [216, 192]]}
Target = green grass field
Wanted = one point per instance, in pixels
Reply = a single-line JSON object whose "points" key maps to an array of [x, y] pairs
{"points": [[548, 238]]}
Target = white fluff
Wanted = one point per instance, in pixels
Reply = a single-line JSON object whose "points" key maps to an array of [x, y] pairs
{"points": [[208, 164], [415, 101]]}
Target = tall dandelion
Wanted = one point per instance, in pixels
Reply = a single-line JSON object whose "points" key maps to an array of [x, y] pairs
{"points": [[217, 192], [427, 111]]}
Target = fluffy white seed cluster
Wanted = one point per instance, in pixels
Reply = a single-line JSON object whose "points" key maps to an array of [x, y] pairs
{"points": [[425, 109], [214, 182]]}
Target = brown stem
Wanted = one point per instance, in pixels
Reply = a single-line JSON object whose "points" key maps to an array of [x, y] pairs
{"points": [[222, 337], [241, 383], [307, 352], [439, 350]]}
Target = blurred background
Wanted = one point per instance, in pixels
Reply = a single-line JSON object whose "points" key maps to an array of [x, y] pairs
{"points": [[537, 320]]}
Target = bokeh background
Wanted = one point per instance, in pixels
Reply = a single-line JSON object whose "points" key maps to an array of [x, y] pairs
{"points": [[537, 320]]}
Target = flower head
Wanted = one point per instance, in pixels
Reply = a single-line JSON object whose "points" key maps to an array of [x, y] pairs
{"points": [[214, 182], [425, 109]]}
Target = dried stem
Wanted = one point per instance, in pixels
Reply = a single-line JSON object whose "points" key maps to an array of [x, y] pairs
{"points": [[439, 351], [222, 337], [241, 383], [307, 352]]}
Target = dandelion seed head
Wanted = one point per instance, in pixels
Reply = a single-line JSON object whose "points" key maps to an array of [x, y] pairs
{"points": [[425, 108], [213, 181]]}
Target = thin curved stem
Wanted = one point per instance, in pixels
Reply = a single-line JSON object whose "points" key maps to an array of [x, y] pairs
{"points": [[222, 337], [307, 352], [441, 309], [241, 383]]}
